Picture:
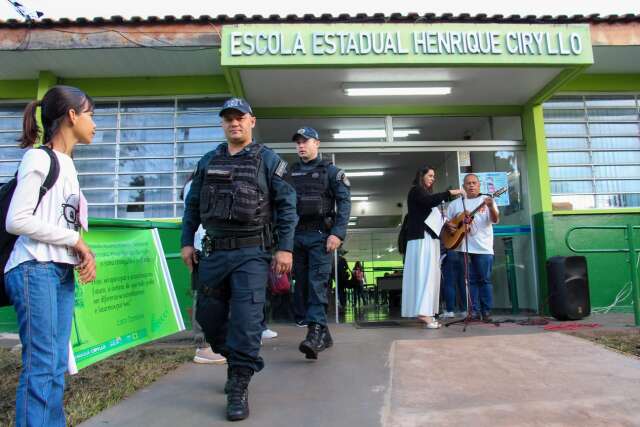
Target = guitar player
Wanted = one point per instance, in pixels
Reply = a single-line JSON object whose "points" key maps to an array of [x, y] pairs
{"points": [[478, 244]]}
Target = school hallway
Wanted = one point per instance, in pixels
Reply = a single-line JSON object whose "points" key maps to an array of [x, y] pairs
{"points": [[405, 376]]}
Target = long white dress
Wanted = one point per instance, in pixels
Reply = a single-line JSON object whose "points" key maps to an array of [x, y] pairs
{"points": [[421, 277]]}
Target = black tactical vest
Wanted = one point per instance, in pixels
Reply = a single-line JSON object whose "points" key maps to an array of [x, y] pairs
{"points": [[234, 199], [315, 202]]}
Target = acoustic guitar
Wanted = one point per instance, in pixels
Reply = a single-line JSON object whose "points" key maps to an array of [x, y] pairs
{"points": [[452, 240]]}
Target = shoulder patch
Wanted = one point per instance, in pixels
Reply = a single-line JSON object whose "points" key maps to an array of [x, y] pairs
{"points": [[281, 170], [342, 177]]}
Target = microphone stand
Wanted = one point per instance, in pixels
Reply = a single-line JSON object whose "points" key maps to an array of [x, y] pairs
{"points": [[467, 319]]}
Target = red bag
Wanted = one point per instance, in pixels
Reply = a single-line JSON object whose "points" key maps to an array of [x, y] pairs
{"points": [[279, 284]]}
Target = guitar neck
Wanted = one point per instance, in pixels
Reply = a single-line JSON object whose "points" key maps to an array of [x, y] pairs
{"points": [[473, 212]]}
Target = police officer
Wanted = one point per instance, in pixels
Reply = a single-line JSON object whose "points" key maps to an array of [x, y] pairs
{"points": [[236, 191], [320, 188]]}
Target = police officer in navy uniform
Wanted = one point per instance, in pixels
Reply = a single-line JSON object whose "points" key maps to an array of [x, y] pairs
{"points": [[323, 206], [237, 190]]}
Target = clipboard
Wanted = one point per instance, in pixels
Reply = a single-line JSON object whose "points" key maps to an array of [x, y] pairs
{"points": [[435, 221]]}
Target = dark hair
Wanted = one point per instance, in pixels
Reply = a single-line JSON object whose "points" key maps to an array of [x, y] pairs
{"points": [[419, 179], [54, 106], [357, 265]]}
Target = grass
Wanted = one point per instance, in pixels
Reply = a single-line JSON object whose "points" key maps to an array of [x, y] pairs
{"points": [[99, 386], [626, 341]]}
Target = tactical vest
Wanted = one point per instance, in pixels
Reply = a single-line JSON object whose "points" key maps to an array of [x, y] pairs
{"points": [[315, 202], [234, 199]]}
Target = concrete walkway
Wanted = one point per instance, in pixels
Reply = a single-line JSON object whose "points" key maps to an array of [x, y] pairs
{"points": [[404, 377]]}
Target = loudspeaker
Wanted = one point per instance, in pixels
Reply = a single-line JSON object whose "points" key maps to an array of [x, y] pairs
{"points": [[568, 287]]}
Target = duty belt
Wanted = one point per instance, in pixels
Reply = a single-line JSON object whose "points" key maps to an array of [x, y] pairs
{"points": [[311, 226], [210, 244]]}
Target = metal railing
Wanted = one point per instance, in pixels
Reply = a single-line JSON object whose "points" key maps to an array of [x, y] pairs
{"points": [[631, 259]]}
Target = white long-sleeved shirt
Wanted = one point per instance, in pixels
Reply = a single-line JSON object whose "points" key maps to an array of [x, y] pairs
{"points": [[49, 233]]}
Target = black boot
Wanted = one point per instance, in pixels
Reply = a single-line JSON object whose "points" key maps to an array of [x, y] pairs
{"points": [[227, 385], [326, 337], [238, 396], [313, 343]]}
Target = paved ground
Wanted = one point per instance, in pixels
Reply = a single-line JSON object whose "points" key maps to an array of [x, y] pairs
{"points": [[404, 377]]}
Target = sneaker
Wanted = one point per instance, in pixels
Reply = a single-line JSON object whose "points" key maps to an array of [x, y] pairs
{"points": [[486, 317], [448, 315], [475, 316], [268, 334], [206, 356], [433, 325], [301, 323]]}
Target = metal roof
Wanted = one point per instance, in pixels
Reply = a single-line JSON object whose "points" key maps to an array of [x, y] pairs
{"points": [[324, 18]]}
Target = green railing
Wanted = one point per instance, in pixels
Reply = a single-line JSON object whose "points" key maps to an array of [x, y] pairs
{"points": [[631, 250]]}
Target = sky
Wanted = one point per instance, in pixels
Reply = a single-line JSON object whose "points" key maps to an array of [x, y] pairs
{"points": [[92, 8]]}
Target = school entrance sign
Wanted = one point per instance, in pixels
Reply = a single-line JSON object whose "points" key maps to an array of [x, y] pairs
{"points": [[367, 44]]}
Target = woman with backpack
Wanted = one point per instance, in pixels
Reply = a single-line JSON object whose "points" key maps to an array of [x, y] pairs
{"points": [[421, 275], [39, 275]]}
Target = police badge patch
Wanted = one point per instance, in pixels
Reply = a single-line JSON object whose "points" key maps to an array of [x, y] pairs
{"points": [[281, 170], [341, 176]]}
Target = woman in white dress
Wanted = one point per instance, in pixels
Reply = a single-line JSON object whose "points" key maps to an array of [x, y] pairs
{"points": [[421, 277]]}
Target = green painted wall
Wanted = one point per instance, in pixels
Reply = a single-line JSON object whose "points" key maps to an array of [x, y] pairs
{"points": [[603, 83], [152, 86], [607, 272], [18, 89]]}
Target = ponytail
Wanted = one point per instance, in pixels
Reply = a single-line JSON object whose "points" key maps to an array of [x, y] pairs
{"points": [[30, 130], [54, 107]]}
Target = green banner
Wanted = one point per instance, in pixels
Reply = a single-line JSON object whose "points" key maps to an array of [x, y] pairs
{"points": [[249, 45], [132, 300]]}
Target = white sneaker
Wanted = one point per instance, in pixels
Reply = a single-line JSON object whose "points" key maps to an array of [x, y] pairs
{"points": [[268, 334], [448, 315], [432, 325], [206, 356]]}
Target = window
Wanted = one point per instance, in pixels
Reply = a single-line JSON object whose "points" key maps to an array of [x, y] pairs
{"points": [[10, 130], [140, 157], [593, 146]]}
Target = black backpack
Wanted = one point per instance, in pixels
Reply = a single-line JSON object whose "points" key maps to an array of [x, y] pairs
{"points": [[402, 235], [8, 240]]}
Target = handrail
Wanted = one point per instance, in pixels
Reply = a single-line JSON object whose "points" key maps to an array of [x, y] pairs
{"points": [[598, 227], [631, 250]]}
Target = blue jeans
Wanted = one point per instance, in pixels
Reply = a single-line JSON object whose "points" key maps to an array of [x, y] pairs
{"points": [[42, 294], [455, 295], [480, 266]]}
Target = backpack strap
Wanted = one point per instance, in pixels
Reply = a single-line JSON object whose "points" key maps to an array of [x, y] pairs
{"points": [[52, 176]]}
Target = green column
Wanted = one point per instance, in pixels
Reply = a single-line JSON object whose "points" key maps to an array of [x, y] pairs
{"points": [[539, 192]]}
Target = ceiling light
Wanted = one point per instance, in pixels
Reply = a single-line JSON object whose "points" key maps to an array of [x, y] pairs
{"points": [[351, 223], [373, 133], [359, 198], [353, 218], [378, 256], [352, 174], [396, 89]]}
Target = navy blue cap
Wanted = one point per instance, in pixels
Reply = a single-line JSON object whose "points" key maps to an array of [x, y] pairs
{"points": [[236, 104], [306, 132]]}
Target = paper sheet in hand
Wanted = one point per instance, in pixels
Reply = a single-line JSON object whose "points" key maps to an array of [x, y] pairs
{"points": [[435, 221]]}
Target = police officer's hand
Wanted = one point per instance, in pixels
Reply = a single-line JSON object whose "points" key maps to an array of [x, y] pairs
{"points": [[283, 261], [333, 242], [189, 257]]}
